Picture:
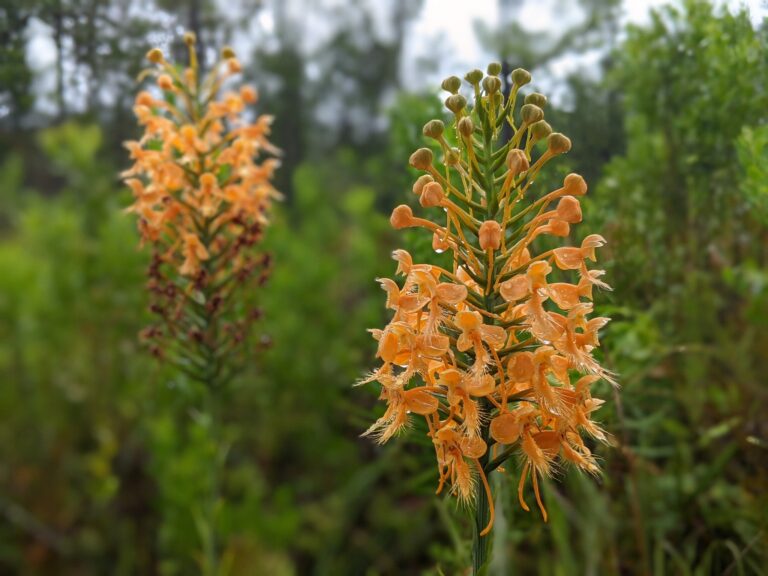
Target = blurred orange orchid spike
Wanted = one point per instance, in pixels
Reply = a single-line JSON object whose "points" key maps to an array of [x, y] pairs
{"points": [[202, 194]]}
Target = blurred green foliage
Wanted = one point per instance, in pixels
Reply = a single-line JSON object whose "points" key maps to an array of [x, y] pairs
{"points": [[106, 457]]}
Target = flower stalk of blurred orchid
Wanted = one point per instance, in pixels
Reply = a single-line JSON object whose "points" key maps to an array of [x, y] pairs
{"points": [[202, 194], [202, 198], [495, 351]]}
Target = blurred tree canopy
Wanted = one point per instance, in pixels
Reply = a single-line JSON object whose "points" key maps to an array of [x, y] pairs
{"points": [[104, 454]]}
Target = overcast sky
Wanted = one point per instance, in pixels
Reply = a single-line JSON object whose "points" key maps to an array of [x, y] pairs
{"points": [[444, 28], [444, 23]]}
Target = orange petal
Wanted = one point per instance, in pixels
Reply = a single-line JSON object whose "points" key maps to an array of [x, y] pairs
{"points": [[467, 320], [520, 367], [420, 402], [473, 447], [495, 336], [568, 258], [516, 288], [433, 344], [482, 386], [451, 293], [505, 428], [566, 296], [389, 346]]}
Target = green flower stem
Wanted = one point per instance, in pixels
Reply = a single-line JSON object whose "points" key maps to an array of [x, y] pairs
{"points": [[481, 545], [211, 377], [210, 543]]}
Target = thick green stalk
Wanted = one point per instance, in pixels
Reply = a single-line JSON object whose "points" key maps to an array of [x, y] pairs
{"points": [[210, 543], [481, 545], [211, 378]]}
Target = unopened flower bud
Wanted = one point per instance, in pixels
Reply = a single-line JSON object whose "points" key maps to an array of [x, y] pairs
{"points": [[531, 113], [494, 69], [491, 84], [455, 103], [434, 129], [421, 159], [489, 235], [540, 130], [248, 94], [575, 185], [422, 181], [155, 56], [569, 210], [559, 228], [190, 38], [234, 65], [227, 52], [402, 217], [144, 98], [558, 143], [439, 243], [535, 98], [207, 180], [474, 77], [165, 82], [452, 157], [520, 76], [517, 161], [432, 195], [451, 84], [466, 127]]}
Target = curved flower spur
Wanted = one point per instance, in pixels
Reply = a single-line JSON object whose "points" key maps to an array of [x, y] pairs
{"points": [[494, 353]]}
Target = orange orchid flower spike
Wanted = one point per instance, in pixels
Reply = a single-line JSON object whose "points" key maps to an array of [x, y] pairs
{"points": [[496, 352], [202, 194]]}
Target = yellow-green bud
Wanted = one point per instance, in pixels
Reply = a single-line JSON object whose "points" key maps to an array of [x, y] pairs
{"points": [[227, 52], [541, 130], [531, 113], [558, 143], [466, 127], [189, 38], [452, 156], [451, 84], [494, 68], [455, 103], [491, 84], [433, 129], [474, 76], [535, 98], [155, 56], [521, 76], [421, 159]]}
